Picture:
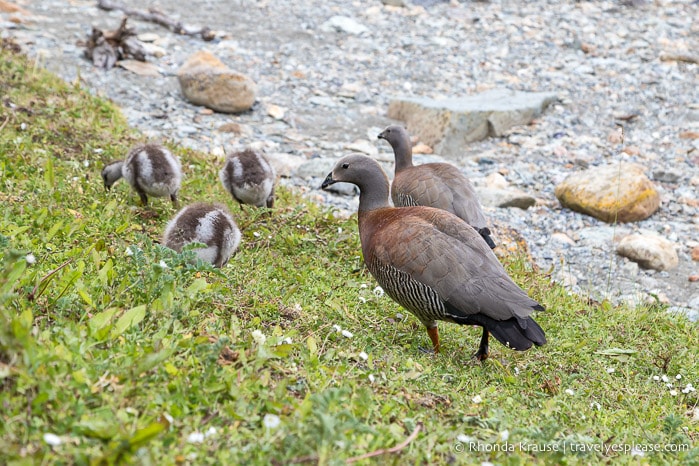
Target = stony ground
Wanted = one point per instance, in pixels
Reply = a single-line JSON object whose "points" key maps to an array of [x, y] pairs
{"points": [[323, 91]]}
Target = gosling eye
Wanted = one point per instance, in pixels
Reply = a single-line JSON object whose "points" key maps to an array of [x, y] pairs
{"points": [[345, 165]]}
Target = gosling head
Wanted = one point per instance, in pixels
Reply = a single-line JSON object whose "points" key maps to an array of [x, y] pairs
{"points": [[111, 173]]}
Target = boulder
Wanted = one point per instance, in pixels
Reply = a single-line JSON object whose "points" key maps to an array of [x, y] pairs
{"points": [[447, 125], [206, 81], [650, 251], [611, 193]]}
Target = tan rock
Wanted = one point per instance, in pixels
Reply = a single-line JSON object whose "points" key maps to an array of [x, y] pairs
{"points": [[695, 253], [610, 193], [649, 251], [206, 81]]}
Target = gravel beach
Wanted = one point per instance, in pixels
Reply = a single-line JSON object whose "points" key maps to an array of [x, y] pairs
{"points": [[326, 72]]}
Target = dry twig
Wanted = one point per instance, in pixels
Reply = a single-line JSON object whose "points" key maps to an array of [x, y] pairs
{"points": [[383, 451], [157, 17]]}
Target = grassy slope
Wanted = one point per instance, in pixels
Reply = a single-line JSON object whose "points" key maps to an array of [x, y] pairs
{"points": [[124, 359]]}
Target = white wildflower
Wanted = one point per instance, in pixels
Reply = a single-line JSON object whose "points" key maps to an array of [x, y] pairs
{"points": [[668, 385], [362, 299], [339, 230], [504, 435], [256, 234], [516, 370], [363, 356], [259, 337], [22, 126], [378, 292], [287, 340], [347, 333], [210, 432], [163, 265], [30, 258], [596, 405], [86, 163], [169, 417], [487, 463], [98, 150], [635, 451], [363, 285], [129, 251], [195, 437], [678, 376], [52, 439], [673, 392], [271, 421], [372, 379], [664, 378], [569, 391], [610, 370], [688, 389], [656, 378], [465, 438], [477, 399], [337, 328]]}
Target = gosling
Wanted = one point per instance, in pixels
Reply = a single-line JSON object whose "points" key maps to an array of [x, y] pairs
{"points": [[150, 169], [207, 223], [249, 177]]}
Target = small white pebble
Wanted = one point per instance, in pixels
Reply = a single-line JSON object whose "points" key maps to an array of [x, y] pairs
{"points": [[569, 391], [363, 356], [465, 438], [664, 378], [169, 417], [339, 230], [337, 328], [635, 451], [98, 151], [656, 378], [271, 421], [256, 234], [52, 439], [610, 370], [668, 385], [129, 251], [673, 392], [596, 405], [363, 285], [210, 432], [504, 435], [30, 258], [86, 163], [347, 333], [477, 399], [287, 340], [195, 437], [516, 370], [22, 126], [372, 379]]}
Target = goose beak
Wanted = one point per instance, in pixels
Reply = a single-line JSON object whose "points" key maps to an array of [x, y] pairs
{"points": [[381, 136], [328, 181]]}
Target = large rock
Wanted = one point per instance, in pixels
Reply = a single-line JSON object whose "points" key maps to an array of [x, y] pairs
{"points": [[448, 125], [649, 251], [620, 193], [205, 80]]}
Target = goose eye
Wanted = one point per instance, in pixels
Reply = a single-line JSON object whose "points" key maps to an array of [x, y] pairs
{"points": [[345, 165]]}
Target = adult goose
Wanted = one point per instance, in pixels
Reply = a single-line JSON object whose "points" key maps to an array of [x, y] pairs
{"points": [[439, 185], [436, 265]]}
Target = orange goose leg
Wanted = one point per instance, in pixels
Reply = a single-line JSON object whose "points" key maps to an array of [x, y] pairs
{"points": [[434, 336]]}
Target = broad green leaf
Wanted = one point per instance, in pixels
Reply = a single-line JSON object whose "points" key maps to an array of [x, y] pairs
{"points": [[143, 436], [616, 352], [197, 285], [101, 320], [130, 318]]}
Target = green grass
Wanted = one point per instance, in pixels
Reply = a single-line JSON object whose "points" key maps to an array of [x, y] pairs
{"points": [[124, 359]]}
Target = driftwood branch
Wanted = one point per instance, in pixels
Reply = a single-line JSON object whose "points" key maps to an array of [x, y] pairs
{"points": [[105, 48], [383, 451], [155, 16]]}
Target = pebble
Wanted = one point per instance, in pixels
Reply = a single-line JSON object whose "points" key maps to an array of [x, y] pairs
{"points": [[322, 89]]}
